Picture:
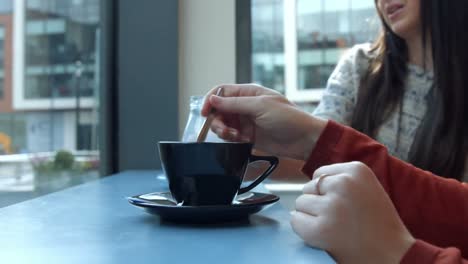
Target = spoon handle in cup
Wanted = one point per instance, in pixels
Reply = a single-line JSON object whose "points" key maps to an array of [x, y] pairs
{"points": [[206, 125]]}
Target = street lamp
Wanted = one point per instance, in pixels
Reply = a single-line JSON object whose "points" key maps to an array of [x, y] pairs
{"points": [[78, 73]]}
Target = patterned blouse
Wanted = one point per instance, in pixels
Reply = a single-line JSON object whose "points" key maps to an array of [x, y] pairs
{"points": [[339, 100]]}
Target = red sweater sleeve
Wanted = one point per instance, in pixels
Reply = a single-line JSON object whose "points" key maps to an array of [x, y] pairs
{"points": [[434, 209]]}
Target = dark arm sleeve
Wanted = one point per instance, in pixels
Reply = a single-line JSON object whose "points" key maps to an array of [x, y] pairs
{"points": [[434, 209]]}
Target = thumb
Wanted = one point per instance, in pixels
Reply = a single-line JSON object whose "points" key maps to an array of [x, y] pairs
{"points": [[245, 105]]}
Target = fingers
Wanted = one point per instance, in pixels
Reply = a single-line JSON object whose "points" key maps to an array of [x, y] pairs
{"points": [[241, 90], [223, 131], [307, 221], [333, 178], [354, 167], [239, 105], [206, 108], [322, 184], [236, 90], [329, 170], [307, 227], [341, 178], [229, 90], [311, 204]]}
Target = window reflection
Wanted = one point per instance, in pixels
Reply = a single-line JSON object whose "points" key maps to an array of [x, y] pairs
{"points": [[2, 58], [324, 30], [59, 35], [268, 43], [48, 96]]}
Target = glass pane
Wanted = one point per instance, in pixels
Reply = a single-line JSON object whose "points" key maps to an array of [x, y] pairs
{"points": [[267, 43], [325, 29], [48, 96], [2, 60]]}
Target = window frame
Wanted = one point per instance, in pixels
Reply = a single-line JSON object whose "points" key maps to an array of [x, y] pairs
{"points": [[126, 142], [108, 117], [291, 65]]}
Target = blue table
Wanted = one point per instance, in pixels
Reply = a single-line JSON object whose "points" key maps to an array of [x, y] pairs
{"points": [[93, 223]]}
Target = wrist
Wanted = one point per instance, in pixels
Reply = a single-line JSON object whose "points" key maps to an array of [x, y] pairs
{"points": [[406, 243], [395, 250], [313, 128]]}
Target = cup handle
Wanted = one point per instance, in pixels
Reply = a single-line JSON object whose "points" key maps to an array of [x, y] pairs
{"points": [[273, 164]]}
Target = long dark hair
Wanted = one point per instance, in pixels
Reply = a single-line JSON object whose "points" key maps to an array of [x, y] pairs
{"points": [[441, 143]]}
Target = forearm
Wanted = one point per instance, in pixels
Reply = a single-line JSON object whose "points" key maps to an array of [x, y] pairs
{"points": [[434, 209]]}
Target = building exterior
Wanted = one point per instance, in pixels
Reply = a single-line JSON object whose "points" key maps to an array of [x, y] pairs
{"points": [[296, 44], [48, 75]]}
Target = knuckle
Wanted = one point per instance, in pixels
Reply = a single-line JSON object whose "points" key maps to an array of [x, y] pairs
{"points": [[361, 170], [255, 85], [356, 163], [358, 166], [347, 180], [346, 183], [277, 98], [308, 187]]}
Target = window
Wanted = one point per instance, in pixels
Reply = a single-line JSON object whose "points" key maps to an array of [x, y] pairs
{"points": [[296, 44], [2, 60], [268, 43], [49, 93]]}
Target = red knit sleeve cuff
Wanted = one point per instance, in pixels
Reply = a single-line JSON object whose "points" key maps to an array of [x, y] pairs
{"points": [[324, 148], [420, 252]]}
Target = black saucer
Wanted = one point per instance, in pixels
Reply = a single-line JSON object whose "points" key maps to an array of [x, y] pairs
{"points": [[162, 204]]}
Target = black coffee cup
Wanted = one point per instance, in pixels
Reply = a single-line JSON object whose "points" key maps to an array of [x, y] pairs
{"points": [[209, 173]]}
